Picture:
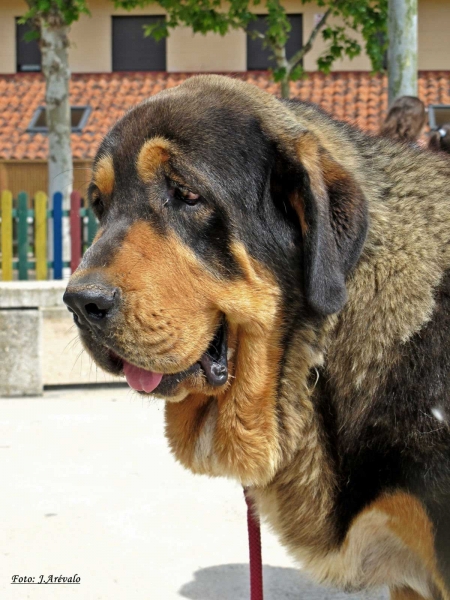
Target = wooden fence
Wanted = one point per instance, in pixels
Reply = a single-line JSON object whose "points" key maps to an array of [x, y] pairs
{"points": [[24, 235]]}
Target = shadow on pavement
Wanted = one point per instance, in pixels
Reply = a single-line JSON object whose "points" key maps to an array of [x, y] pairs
{"points": [[231, 582]]}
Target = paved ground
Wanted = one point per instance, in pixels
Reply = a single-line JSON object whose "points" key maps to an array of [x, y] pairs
{"points": [[89, 487]]}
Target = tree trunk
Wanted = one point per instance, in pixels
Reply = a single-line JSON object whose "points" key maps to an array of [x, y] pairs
{"points": [[285, 87], [282, 63], [402, 63], [55, 66]]}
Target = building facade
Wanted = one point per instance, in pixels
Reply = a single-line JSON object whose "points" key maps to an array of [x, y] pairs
{"points": [[100, 41], [115, 67]]}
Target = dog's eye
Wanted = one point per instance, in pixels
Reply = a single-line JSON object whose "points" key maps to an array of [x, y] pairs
{"points": [[182, 194], [190, 198], [96, 201], [98, 206]]}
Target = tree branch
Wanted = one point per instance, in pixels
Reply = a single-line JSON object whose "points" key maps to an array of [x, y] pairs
{"points": [[307, 47], [256, 34]]}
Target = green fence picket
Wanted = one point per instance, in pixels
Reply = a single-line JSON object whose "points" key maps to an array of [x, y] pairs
{"points": [[15, 230], [22, 235], [92, 226]]}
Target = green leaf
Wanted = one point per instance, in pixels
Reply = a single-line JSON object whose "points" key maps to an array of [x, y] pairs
{"points": [[367, 17], [64, 11], [158, 30], [31, 35], [297, 73], [279, 74]]}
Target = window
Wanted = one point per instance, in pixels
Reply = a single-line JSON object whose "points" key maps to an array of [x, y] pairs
{"points": [[382, 39], [79, 116], [131, 51], [258, 58], [27, 53], [438, 115]]}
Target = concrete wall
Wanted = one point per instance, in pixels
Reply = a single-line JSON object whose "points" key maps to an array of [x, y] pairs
{"points": [[91, 40], [39, 343]]}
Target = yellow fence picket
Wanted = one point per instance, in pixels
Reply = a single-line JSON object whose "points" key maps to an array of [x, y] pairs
{"points": [[7, 235], [40, 224]]}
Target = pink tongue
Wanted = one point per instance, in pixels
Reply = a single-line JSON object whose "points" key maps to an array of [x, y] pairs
{"points": [[140, 379]]}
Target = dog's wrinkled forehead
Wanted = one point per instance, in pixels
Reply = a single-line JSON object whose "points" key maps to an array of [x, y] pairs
{"points": [[215, 136], [168, 147]]}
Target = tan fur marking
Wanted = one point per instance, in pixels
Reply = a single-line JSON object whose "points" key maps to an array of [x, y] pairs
{"points": [[405, 593], [98, 235], [409, 521], [390, 543], [103, 176], [157, 334], [245, 433], [152, 155], [299, 206], [157, 331], [307, 152]]}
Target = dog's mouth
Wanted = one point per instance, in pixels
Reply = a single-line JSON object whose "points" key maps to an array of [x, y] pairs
{"points": [[213, 363]]}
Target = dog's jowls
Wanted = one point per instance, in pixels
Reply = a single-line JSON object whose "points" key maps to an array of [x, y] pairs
{"points": [[282, 281]]}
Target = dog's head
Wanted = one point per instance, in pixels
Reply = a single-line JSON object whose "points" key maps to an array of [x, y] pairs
{"points": [[222, 222]]}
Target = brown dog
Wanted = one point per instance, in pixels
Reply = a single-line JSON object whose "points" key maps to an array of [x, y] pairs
{"points": [[282, 280]]}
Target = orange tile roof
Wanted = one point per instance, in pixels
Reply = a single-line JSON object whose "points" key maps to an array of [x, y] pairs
{"points": [[357, 97]]}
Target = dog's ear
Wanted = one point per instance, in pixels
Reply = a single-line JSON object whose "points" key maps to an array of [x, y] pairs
{"points": [[332, 213]]}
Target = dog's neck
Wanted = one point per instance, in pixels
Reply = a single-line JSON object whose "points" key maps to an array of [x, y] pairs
{"points": [[264, 419]]}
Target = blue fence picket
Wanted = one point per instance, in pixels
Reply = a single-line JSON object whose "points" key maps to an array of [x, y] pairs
{"points": [[57, 236], [24, 246], [22, 231]]}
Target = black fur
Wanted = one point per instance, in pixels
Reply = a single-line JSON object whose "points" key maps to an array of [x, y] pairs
{"points": [[400, 444]]}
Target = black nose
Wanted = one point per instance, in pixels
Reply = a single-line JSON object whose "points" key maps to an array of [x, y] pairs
{"points": [[91, 304]]}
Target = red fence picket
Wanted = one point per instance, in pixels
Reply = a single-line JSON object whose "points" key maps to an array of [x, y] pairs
{"points": [[24, 235]]}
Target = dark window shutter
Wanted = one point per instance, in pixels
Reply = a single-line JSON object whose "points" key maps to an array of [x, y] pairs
{"points": [[27, 53], [79, 116], [258, 57], [131, 51], [382, 38]]}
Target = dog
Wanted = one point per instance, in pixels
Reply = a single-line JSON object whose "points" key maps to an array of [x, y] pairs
{"points": [[439, 140], [282, 280]]}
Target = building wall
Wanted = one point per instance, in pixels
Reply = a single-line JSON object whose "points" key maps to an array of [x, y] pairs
{"points": [[202, 53], [9, 9], [91, 40], [434, 34], [32, 176]]}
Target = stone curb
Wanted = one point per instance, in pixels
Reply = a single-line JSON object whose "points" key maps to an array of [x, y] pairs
{"points": [[32, 294], [21, 304]]}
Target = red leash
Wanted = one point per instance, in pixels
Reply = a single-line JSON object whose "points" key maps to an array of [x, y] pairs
{"points": [[254, 543]]}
